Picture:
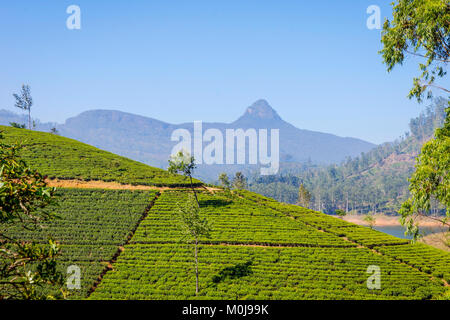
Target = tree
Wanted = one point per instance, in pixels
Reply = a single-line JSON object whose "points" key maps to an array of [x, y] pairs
{"points": [[183, 163], [370, 220], [430, 181], [193, 227], [239, 181], [304, 196], [24, 196], [419, 28], [24, 101], [340, 213], [422, 29], [224, 181]]}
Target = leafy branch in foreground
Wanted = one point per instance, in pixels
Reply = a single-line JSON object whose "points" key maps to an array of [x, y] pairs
{"points": [[419, 28], [431, 180], [24, 195], [193, 227]]}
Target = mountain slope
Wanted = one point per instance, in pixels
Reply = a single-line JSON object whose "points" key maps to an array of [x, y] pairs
{"points": [[148, 140], [375, 181]]}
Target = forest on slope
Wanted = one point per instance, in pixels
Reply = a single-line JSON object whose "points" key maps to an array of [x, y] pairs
{"points": [[376, 181]]}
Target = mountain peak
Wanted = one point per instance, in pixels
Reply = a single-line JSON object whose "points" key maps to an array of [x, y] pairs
{"points": [[261, 109]]}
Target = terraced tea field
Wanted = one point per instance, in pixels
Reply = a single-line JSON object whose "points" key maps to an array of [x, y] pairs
{"points": [[64, 158], [92, 225], [260, 249]]}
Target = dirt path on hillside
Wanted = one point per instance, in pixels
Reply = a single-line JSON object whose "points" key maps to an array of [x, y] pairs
{"points": [[97, 184]]}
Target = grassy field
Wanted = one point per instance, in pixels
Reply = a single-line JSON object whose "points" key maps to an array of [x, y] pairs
{"points": [[64, 158], [260, 249]]}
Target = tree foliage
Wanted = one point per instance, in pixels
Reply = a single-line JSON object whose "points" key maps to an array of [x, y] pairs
{"points": [[431, 180], [17, 125], [304, 196], [422, 28], [224, 181], [239, 181], [24, 196], [370, 220], [419, 28], [183, 163], [341, 213]]}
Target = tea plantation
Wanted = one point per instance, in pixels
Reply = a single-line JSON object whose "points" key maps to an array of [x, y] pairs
{"points": [[260, 249], [127, 242], [91, 226], [64, 158]]}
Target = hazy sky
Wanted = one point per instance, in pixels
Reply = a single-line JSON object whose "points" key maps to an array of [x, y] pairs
{"points": [[316, 62]]}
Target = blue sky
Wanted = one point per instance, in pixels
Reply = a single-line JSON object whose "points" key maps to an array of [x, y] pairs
{"points": [[178, 61]]}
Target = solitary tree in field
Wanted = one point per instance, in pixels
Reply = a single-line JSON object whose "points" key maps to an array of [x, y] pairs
{"points": [[304, 196], [193, 227], [341, 213], [239, 181], [422, 29], [224, 181], [370, 220], [24, 196], [183, 163], [24, 101]]}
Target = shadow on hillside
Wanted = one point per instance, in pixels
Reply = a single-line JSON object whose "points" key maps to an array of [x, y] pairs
{"points": [[234, 272], [214, 203]]}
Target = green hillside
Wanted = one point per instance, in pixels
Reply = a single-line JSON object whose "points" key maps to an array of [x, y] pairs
{"points": [[127, 242], [276, 251], [64, 158]]}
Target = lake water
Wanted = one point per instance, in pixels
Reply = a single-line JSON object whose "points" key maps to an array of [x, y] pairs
{"points": [[399, 231]]}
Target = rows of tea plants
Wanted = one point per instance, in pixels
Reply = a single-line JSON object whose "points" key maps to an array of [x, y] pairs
{"points": [[92, 224], [64, 158], [234, 220], [359, 234], [165, 271], [423, 257]]}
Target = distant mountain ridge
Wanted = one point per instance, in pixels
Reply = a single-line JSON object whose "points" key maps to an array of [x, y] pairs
{"points": [[376, 181], [148, 140]]}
